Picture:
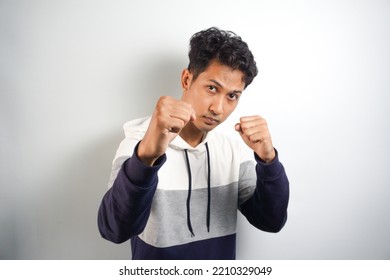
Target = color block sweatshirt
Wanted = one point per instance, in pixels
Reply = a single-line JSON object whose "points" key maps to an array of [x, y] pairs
{"points": [[185, 206]]}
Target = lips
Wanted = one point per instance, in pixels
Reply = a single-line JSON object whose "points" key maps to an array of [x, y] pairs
{"points": [[210, 120]]}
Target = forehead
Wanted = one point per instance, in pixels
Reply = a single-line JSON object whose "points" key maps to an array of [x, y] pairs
{"points": [[223, 74]]}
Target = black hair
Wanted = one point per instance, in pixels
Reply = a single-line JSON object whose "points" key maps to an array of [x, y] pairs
{"points": [[224, 46]]}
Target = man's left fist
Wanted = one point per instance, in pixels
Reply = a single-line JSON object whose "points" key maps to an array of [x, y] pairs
{"points": [[254, 131]]}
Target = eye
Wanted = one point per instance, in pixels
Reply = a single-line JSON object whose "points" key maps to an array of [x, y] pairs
{"points": [[212, 88], [233, 96]]}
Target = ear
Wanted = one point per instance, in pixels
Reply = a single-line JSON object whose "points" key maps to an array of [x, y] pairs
{"points": [[186, 78]]}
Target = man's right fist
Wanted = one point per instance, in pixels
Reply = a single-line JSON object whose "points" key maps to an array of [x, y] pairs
{"points": [[168, 119]]}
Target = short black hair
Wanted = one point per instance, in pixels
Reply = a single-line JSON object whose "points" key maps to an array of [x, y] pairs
{"points": [[224, 46]]}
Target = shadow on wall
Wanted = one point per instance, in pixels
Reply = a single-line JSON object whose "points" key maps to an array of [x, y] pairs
{"points": [[84, 181], [151, 77], [60, 222]]}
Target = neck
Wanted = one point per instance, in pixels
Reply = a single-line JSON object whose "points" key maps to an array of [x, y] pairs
{"points": [[192, 135]]}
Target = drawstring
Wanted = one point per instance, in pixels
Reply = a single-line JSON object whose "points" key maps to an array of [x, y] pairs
{"points": [[189, 194], [190, 189], [208, 189]]}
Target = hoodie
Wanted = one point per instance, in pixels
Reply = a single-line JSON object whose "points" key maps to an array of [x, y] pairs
{"points": [[185, 206]]}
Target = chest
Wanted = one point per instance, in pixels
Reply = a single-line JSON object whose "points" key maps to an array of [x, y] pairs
{"points": [[223, 167]]}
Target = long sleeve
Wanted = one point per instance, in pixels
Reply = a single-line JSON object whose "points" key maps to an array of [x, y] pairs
{"points": [[125, 208], [266, 209]]}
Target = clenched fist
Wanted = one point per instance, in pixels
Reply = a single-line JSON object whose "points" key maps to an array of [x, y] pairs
{"points": [[168, 119], [254, 132]]}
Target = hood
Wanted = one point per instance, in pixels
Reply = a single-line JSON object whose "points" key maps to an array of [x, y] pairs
{"points": [[136, 128]]}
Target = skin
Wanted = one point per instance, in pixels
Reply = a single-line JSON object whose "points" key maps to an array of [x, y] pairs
{"points": [[206, 102]]}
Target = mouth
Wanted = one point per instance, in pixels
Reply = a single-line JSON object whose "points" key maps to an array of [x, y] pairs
{"points": [[211, 121]]}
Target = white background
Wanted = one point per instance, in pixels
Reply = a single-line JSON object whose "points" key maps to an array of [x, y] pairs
{"points": [[72, 72]]}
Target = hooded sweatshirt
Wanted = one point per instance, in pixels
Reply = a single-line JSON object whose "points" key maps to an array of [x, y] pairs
{"points": [[185, 206]]}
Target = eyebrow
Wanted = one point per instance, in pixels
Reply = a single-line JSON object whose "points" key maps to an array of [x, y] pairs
{"points": [[221, 86]]}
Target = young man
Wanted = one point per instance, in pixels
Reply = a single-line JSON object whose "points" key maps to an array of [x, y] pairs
{"points": [[176, 184]]}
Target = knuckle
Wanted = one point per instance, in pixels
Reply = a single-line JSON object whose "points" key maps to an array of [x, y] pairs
{"points": [[161, 100], [188, 107]]}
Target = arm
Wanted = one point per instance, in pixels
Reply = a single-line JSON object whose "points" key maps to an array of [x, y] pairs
{"points": [[125, 208], [266, 209]]}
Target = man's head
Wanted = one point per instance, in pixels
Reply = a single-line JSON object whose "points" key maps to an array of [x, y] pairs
{"points": [[221, 67], [226, 48]]}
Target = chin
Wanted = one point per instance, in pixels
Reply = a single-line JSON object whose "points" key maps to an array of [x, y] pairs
{"points": [[205, 127]]}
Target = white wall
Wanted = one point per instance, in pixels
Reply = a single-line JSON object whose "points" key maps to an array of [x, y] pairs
{"points": [[71, 72]]}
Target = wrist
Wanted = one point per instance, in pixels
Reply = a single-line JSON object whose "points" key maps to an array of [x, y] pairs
{"points": [[143, 155], [267, 157]]}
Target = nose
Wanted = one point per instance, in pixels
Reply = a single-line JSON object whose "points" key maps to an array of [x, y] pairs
{"points": [[216, 106]]}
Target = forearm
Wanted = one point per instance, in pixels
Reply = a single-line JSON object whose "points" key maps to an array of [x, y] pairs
{"points": [[266, 209], [125, 208]]}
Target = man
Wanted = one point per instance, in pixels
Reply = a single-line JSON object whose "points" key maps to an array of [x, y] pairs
{"points": [[177, 184]]}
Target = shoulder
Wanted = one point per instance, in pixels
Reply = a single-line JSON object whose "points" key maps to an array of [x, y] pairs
{"points": [[136, 128], [134, 131]]}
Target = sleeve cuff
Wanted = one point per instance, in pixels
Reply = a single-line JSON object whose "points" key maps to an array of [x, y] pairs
{"points": [[141, 174], [268, 170]]}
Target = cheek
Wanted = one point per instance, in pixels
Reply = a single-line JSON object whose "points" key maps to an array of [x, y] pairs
{"points": [[229, 108], [201, 104]]}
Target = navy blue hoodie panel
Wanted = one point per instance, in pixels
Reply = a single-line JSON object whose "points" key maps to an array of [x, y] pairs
{"points": [[267, 207], [219, 248]]}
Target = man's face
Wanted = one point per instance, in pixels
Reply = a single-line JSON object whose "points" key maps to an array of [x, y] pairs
{"points": [[214, 94]]}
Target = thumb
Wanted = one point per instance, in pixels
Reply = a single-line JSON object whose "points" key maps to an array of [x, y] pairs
{"points": [[193, 115], [237, 127]]}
